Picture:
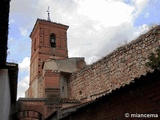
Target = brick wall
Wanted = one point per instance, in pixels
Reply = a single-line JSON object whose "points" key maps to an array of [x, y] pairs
{"points": [[34, 106], [41, 51], [143, 96], [37, 105], [116, 69]]}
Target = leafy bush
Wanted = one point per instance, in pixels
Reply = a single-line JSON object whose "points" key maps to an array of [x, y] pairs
{"points": [[154, 60]]}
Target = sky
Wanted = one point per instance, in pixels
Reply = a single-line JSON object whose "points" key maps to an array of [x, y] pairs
{"points": [[96, 27]]}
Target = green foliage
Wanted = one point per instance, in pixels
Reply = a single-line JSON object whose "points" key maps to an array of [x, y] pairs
{"points": [[154, 60]]}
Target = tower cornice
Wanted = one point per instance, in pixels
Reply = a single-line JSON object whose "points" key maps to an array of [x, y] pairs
{"points": [[49, 23]]}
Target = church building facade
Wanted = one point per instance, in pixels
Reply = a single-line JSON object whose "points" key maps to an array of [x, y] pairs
{"points": [[49, 43], [63, 88], [50, 69]]}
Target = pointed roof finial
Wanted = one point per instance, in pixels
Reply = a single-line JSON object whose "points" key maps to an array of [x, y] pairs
{"points": [[49, 19]]}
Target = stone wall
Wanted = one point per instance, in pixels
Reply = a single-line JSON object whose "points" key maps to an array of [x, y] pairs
{"points": [[141, 97], [116, 69]]}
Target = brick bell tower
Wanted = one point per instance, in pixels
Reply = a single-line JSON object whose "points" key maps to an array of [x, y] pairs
{"points": [[48, 40]]}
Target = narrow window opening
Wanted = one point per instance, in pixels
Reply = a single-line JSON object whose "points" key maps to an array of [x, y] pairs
{"points": [[80, 92], [53, 40], [62, 87], [35, 45]]}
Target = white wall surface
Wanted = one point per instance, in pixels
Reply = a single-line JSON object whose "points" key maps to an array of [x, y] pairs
{"points": [[5, 101]]}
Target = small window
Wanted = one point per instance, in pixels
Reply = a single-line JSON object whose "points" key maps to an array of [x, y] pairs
{"points": [[80, 92], [62, 87], [35, 45], [53, 40]]}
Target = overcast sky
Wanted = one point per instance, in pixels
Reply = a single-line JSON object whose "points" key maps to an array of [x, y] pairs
{"points": [[96, 27]]}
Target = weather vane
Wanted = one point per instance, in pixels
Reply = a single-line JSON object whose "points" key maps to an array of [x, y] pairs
{"points": [[49, 19]]}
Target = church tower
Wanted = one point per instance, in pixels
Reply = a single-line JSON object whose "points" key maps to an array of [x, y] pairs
{"points": [[48, 40]]}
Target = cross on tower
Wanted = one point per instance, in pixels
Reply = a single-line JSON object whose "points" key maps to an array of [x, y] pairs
{"points": [[49, 19]]}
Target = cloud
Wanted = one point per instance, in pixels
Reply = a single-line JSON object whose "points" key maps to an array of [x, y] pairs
{"points": [[25, 64], [22, 86], [11, 21], [23, 31], [96, 28], [146, 15], [18, 48], [104, 13], [106, 41], [142, 29], [101, 27], [94, 25], [23, 80], [139, 6]]}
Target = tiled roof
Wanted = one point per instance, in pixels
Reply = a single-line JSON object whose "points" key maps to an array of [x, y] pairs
{"points": [[149, 77], [13, 76], [66, 111], [31, 99], [67, 100]]}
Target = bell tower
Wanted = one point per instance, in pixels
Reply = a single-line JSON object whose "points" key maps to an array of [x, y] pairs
{"points": [[48, 40]]}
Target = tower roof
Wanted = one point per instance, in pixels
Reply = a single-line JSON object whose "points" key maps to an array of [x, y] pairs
{"points": [[49, 23]]}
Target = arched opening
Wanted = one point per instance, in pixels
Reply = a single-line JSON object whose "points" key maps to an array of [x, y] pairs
{"points": [[53, 40], [27, 115]]}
